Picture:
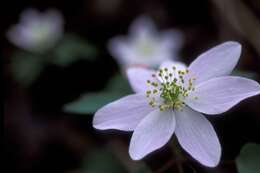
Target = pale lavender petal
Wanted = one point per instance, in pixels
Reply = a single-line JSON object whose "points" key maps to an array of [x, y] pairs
{"points": [[54, 21], [141, 27], [153, 132], [19, 37], [218, 95], [123, 114], [138, 76], [169, 64], [29, 15], [121, 50], [197, 136], [218, 61], [173, 40]]}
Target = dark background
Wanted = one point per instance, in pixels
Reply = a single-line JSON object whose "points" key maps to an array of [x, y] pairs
{"points": [[39, 137]]}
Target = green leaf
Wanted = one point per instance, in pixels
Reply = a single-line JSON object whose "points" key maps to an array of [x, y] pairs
{"points": [[89, 103], [101, 161], [71, 49], [249, 159], [26, 67]]}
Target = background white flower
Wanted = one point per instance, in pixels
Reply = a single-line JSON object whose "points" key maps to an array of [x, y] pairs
{"points": [[172, 99], [145, 45], [36, 31]]}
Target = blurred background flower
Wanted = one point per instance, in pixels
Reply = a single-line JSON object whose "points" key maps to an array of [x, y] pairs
{"points": [[37, 31], [145, 45], [41, 40]]}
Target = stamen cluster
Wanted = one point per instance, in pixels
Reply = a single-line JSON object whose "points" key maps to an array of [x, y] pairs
{"points": [[173, 87]]}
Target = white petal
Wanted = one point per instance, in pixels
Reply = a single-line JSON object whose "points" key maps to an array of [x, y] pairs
{"points": [[172, 39], [218, 61], [123, 114], [218, 95], [197, 136], [152, 133], [120, 49], [18, 36], [141, 27], [29, 15], [138, 76], [169, 65]]}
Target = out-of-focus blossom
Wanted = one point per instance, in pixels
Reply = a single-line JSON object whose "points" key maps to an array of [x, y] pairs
{"points": [[145, 45], [172, 99], [37, 31]]}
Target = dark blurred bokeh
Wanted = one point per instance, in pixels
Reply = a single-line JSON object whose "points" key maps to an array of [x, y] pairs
{"points": [[40, 137]]}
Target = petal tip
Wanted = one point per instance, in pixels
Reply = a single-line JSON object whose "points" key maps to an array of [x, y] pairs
{"points": [[96, 123], [214, 161], [211, 163], [234, 44], [134, 156], [142, 21]]}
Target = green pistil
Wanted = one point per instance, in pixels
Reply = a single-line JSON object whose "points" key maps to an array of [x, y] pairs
{"points": [[170, 92], [171, 89]]}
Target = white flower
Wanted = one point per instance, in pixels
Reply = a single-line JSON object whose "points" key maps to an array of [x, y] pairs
{"points": [[37, 32], [172, 99], [145, 45]]}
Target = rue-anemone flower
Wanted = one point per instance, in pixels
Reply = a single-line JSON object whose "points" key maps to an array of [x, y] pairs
{"points": [[145, 45], [37, 31], [172, 100]]}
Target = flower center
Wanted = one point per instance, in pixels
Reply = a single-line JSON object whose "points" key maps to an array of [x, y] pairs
{"points": [[146, 47], [40, 31], [172, 89]]}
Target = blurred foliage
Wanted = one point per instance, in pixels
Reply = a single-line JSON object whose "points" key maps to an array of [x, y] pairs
{"points": [[249, 159], [71, 49], [246, 74], [102, 160], [26, 66], [89, 103]]}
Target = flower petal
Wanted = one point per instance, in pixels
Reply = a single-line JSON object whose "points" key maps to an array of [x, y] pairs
{"points": [[29, 15], [143, 26], [120, 49], [152, 133], [123, 114], [169, 65], [197, 136], [172, 39], [138, 77], [218, 61], [218, 95]]}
